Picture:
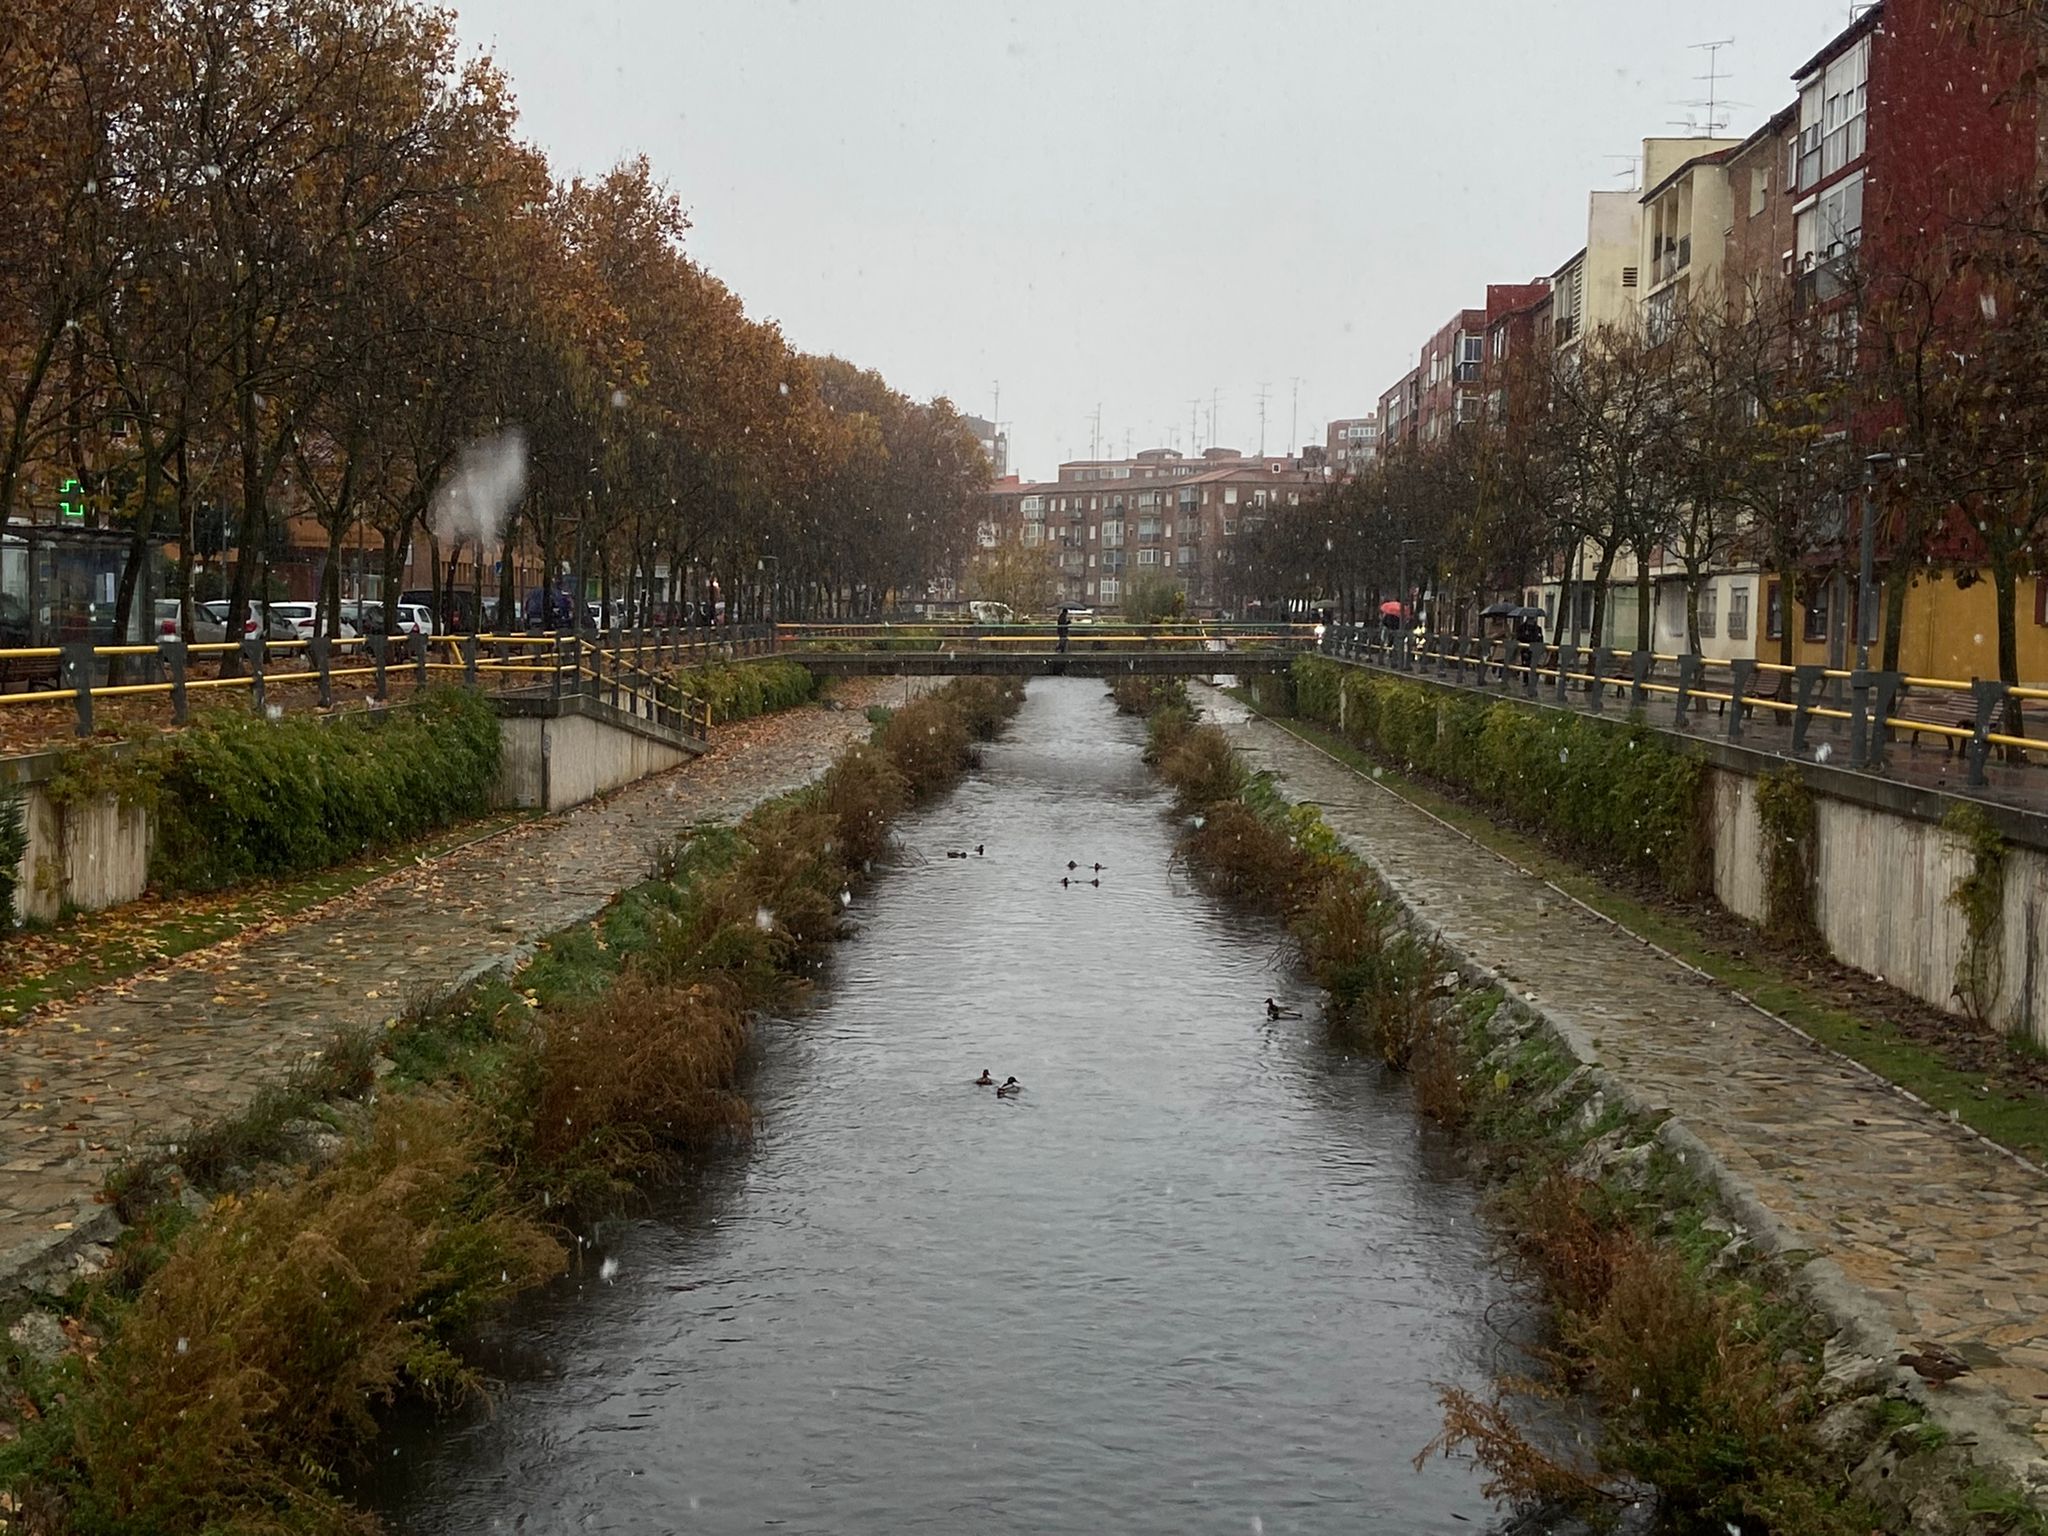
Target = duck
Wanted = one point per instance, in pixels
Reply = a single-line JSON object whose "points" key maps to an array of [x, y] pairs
{"points": [[984, 1081], [1096, 881], [1010, 1088], [1064, 881], [1275, 1011], [1935, 1364], [1099, 868], [1072, 865], [979, 850], [956, 853]]}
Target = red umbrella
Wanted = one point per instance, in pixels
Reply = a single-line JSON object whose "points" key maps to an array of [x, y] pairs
{"points": [[1394, 608]]}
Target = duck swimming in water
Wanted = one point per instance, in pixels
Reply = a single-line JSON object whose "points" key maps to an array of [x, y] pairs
{"points": [[1009, 1089], [979, 850], [984, 1081], [1275, 1011], [1072, 865]]}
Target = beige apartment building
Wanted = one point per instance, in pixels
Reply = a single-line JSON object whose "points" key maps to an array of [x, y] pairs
{"points": [[1111, 522]]}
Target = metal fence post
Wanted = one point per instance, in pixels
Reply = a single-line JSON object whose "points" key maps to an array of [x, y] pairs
{"points": [[1743, 673], [1891, 687], [1688, 680], [254, 648], [1806, 677], [380, 646], [317, 652], [1638, 674], [555, 682], [172, 651], [1567, 663], [1859, 718], [74, 665], [1990, 697]]}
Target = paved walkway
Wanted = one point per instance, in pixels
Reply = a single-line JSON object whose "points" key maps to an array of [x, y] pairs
{"points": [[1943, 1235], [197, 1038]]}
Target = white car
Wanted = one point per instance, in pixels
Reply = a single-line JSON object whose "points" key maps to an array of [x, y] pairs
{"points": [[367, 617], [304, 619], [206, 629]]}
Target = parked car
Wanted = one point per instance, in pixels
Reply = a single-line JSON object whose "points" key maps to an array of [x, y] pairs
{"points": [[305, 620], [206, 629], [216, 612], [367, 615]]}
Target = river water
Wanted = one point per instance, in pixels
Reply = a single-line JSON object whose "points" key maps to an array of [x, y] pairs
{"points": [[1200, 1276]]}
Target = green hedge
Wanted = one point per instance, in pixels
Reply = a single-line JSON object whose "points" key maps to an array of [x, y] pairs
{"points": [[239, 797], [1606, 791], [742, 690]]}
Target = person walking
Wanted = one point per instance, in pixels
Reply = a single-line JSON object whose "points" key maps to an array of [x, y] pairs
{"points": [[1066, 621]]}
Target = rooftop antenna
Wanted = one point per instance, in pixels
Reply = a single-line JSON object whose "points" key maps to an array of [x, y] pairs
{"points": [[1213, 392], [1294, 417], [1095, 433], [1194, 436], [1713, 78], [1625, 168], [1263, 388]]}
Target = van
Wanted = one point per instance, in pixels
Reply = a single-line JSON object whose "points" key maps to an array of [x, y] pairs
{"points": [[991, 613]]}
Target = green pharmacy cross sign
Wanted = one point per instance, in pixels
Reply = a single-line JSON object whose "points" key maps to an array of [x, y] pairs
{"points": [[71, 500]]}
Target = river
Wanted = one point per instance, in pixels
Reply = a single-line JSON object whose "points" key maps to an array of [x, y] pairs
{"points": [[1200, 1276]]}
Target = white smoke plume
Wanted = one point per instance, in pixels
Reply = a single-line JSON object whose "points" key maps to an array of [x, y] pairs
{"points": [[479, 495]]}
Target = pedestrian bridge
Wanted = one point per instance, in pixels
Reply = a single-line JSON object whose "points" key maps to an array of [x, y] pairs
{"points": [[1038, 650]]}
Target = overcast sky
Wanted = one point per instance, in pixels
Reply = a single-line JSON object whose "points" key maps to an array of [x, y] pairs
{"points": [[1132, 202]]}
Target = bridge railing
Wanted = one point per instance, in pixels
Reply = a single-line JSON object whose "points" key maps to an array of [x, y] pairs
{"points": [[633, 670], [795, 639], [1873, 709]]}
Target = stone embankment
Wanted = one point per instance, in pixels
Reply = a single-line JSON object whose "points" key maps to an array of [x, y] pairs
{"points": [[1900, 1224], [197, 1039]]}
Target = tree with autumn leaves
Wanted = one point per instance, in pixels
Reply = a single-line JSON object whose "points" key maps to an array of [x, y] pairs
{"points": [[289, 260]]}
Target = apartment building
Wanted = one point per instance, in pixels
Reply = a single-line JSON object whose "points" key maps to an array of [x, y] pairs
{"points": [[1351, 443], [1399, 409], [1111, 522], [1684, 226]]}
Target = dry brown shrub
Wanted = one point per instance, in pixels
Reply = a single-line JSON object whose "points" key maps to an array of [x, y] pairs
{"points": [[929, 743], [631, 1078], [863, 793], [1436, 1067], [256, 1357], [1569, 1245], [1202, 769], [1247, 859], [1518, 1469]]}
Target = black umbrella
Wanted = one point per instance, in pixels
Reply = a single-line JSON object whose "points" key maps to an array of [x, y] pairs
{"points": [[1497, 611]]}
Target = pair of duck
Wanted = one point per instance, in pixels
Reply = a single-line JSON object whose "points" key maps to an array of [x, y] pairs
{"points": [[962, 853], [1275, 1011], [1098, 868], [1008, 1088]]}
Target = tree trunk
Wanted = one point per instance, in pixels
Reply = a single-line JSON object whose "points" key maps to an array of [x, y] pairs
{"points": [[1694, 580], [1603, 572], [2005, 584], [1643, 594], [1786, 576]]}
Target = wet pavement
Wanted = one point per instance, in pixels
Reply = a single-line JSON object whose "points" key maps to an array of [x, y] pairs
{"points": [[197, 1038], [1941, 1234]]}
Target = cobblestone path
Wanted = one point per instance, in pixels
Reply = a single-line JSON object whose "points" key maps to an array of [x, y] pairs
{"points": [[1944, 1235], [197, 1038]]}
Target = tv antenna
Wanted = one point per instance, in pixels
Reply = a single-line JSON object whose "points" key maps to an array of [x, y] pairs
{"points": [[1716, 120], [1263, 388]]}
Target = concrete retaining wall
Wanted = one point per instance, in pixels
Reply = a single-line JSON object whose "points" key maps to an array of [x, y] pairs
{"points": [[88, 856], [553, 762], [1882, 881]]}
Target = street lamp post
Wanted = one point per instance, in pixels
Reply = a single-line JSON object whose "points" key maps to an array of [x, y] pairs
{"points": [[1401, 597], [1866, 585]]}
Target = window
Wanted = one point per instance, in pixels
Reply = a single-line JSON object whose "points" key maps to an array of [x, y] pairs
{"points": [[1759, 189], [1710, 617], [1230, 495], [1033, 532], [1113, 533], [1185, 556], [1833, 224], [1817, 616], [1738, 611], [1774, 612], [1111, 589], [1148, 556]]}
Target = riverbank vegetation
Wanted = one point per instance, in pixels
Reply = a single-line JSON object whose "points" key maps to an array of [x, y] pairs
{"points": [[1718, 1392], [1992, 1079], [284, 1278], [741, 690]]}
